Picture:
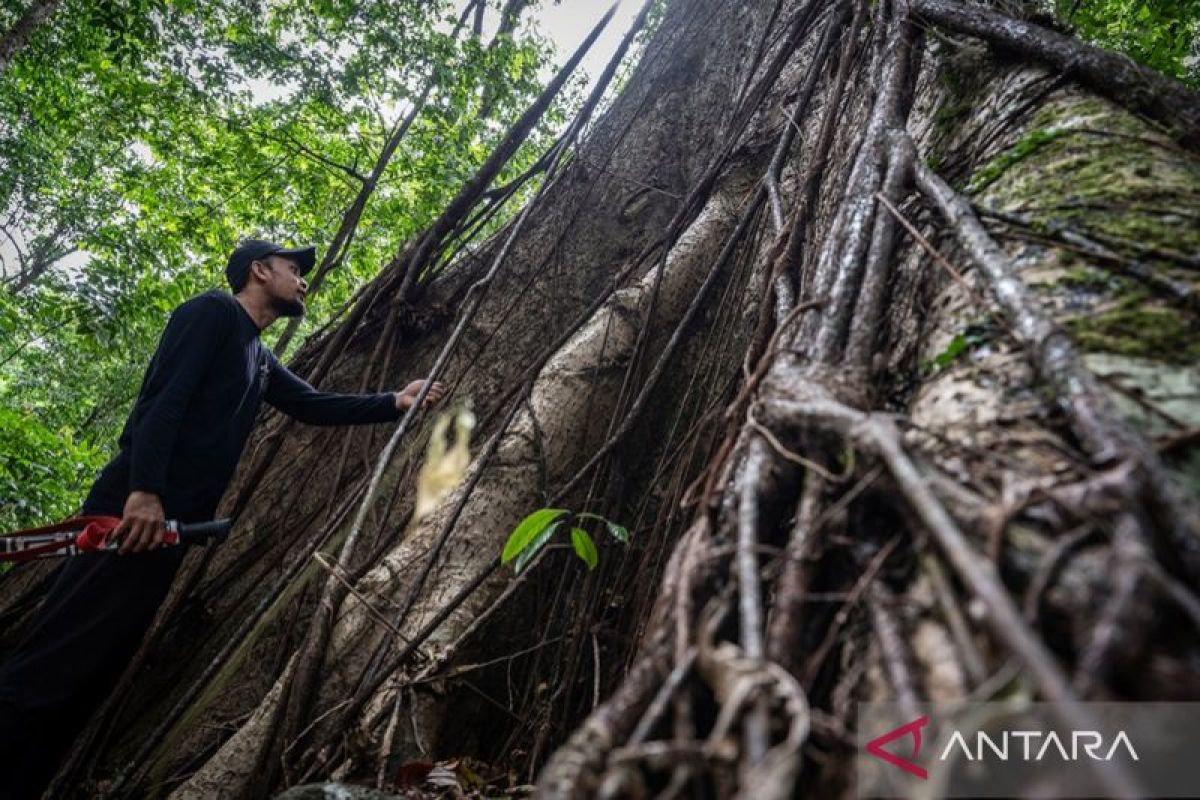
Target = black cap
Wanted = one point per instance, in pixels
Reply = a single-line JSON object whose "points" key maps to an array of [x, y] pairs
{"points": [[238, 269]]}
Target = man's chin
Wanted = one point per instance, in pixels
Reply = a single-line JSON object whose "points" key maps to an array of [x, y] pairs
{"points": [[290, 308]]}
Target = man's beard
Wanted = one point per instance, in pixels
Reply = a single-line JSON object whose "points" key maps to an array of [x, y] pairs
{"points": [[287, 308]]}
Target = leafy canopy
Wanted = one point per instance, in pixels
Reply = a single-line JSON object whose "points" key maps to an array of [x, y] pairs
{"points": [[139, 139], [1163, 34]]}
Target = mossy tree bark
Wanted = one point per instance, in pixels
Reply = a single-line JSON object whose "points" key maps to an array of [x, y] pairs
{"points": [[877, 340]]}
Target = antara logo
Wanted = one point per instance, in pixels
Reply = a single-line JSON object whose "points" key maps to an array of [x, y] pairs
{"points": [[1038, 746], [913, 729], [1017, 745]]}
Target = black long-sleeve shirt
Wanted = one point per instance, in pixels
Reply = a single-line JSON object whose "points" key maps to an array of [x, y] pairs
{"points": [[196, 407]]}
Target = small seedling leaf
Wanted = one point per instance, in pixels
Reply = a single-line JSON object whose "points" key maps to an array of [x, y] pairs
{"points": [[618, 532], [535, 546], [585, 548], [527, 531]]}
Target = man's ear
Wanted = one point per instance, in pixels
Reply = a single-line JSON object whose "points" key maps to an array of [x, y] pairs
{"points": [[260, 269]]}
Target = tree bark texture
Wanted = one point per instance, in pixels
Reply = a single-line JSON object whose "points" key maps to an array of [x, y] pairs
{"points": [[877, 339], [18, 35]]}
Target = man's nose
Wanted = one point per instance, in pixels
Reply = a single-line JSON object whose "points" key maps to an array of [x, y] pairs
{"points": [[303, 284]]}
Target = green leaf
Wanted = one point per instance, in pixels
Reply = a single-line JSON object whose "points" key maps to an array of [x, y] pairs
{"points": [[585, 548], [962, 343], [527, 531], [536, 545], [957, 346], [618, 532]]}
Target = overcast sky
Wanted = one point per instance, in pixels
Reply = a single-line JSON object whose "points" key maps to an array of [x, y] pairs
{"points": [[568, 23]]}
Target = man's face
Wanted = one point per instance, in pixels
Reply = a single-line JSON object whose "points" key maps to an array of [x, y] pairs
{"points": [[284, 286]]}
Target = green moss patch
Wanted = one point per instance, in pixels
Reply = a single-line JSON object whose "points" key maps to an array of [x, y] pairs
{"points": [[1029, 143], [1155, 333], [1088, 163]]}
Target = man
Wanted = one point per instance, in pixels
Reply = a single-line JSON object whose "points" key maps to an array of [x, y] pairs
{"points": [[178, 451]]}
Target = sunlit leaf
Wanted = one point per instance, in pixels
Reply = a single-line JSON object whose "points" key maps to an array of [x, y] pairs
{"points": [[584, 547], [527, 555], [527, 531]]}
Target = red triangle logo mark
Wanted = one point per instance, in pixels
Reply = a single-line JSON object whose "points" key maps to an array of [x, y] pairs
{"points": [[913, 729]]}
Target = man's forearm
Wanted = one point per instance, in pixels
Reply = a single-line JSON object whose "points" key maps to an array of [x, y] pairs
{"points": [[296, 398]]}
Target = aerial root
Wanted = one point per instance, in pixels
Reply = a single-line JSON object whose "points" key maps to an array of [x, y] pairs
{"points": [[746, 686], [1126, 620]]}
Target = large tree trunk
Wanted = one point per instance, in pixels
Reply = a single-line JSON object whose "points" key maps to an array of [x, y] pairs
{"points": [[872, 440]]}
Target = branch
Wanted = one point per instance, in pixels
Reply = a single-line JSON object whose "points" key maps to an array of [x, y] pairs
{"points": [[303, 149], [1116, 76], [469, 194], [756, 467], [1089, 245], [340, 246]]}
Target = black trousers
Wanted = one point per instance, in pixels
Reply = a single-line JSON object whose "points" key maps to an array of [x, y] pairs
{"points": [[81, 639]]}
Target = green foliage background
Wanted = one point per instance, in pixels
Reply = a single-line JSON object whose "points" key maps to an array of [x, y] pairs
{"points": [[140, 139], [1164, 34]]}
